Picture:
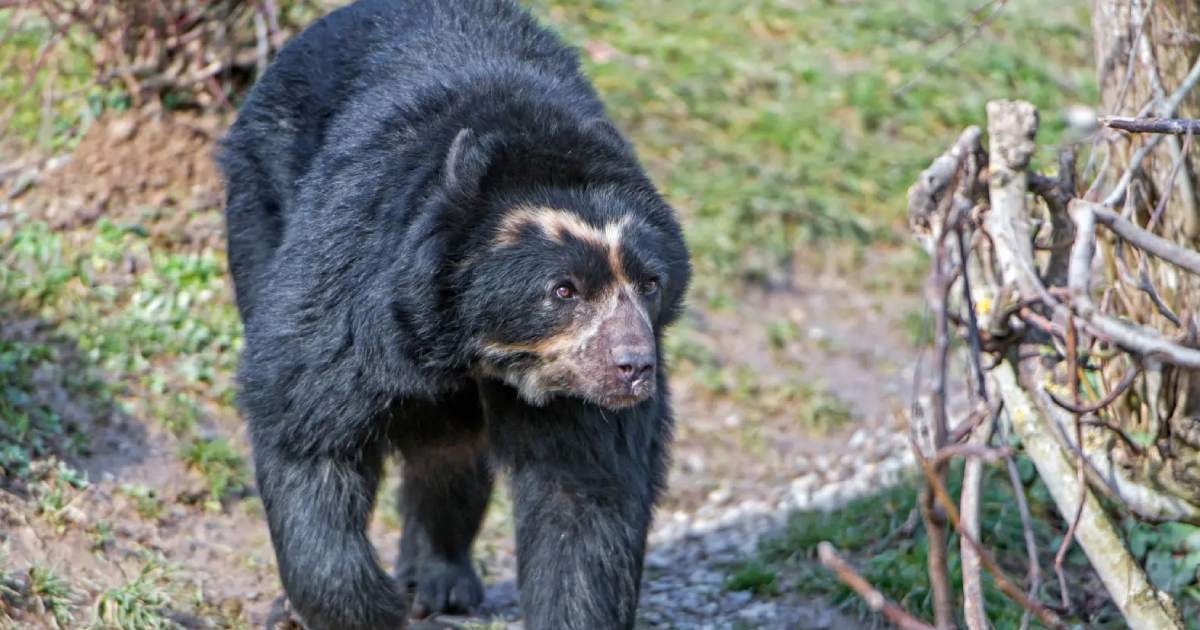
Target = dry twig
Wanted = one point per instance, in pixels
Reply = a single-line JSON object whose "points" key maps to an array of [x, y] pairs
{"points": [[874, 599]]}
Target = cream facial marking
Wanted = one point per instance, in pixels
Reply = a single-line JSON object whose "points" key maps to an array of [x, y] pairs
{"points": [[556, 224]]}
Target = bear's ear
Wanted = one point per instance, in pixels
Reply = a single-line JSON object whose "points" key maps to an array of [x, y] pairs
{"points": [[466, 162]]}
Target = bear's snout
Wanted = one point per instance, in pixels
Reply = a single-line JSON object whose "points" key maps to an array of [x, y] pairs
{"points": [[632, 364], [629, 365]]}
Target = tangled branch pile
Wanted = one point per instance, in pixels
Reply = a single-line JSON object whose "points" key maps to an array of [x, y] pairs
{"points": [[1080, 317], [1083, 325], [198, 51]]}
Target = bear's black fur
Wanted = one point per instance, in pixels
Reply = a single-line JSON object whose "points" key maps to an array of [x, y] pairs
{"points": [[441, 245]]}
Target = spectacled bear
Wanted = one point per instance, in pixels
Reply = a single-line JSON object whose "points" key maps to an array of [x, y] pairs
{"points": [[441, 246]]}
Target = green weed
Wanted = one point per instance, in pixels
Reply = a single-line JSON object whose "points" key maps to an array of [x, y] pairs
{"points": [[63, 70], [29, 429], [102, 536], [753, 576], [52, 594], [139, 603], [55, 492], [147, 504], [222, 468]]}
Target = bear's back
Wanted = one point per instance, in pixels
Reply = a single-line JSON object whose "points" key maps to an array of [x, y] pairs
{"points": [[407, 44]]}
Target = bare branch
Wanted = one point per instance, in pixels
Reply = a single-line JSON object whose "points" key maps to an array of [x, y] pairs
{"points": [[1147, 502], [936, 204], [1008, 224], [1173, 126], [1129, 336], [1034, 572], [1108, 399], [926, 197], [1144, 240], [973, 605], [1011, 128], [1073, 384], [874, 599], [1118, 192], [984, 454], [1171, 105]]}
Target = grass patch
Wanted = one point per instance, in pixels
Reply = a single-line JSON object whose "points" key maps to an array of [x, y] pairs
{"points": [[139, 603], [55, 491], [811, 404], [162, 331], [29, 429], [222, 467], [30, 75], [754, 576], [145, 501], [52, 595], [774, 124]]}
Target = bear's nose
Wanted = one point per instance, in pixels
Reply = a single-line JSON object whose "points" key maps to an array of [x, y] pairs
{"points": [[633, 364]]}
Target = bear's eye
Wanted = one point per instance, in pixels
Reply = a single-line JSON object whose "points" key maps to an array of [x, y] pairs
{"points": [[649, 287], [565, 291]]}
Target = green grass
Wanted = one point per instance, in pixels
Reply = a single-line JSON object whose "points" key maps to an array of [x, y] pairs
{"points": [[63, 70], [222, 467], [754, 576], [769, 124], [139, 603], [145, 501], [28, 428], [52, 594], [773, 124], [165, 336], [55, 491]]}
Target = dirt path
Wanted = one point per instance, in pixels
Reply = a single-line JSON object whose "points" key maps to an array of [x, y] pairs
{"points": [[788, 403]]}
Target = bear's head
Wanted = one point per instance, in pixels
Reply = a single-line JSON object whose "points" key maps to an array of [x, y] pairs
{"points": [[563, 285]]}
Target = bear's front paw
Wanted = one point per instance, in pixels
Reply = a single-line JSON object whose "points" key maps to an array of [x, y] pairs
{"points": [[445, 587], [281, 616]]}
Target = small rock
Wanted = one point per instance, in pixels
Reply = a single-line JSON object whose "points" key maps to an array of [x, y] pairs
{"points": [[720, 495], [758, 611], [122, 130], [75, 516], [737, 599], [58, 161]]}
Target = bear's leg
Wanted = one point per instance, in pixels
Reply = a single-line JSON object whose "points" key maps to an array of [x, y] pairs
{"points": [[444, 493], [584, 484], [318, 507], [443, 502]]}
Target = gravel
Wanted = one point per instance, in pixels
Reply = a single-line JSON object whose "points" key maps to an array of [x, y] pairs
{"points": [[687, 566]]}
